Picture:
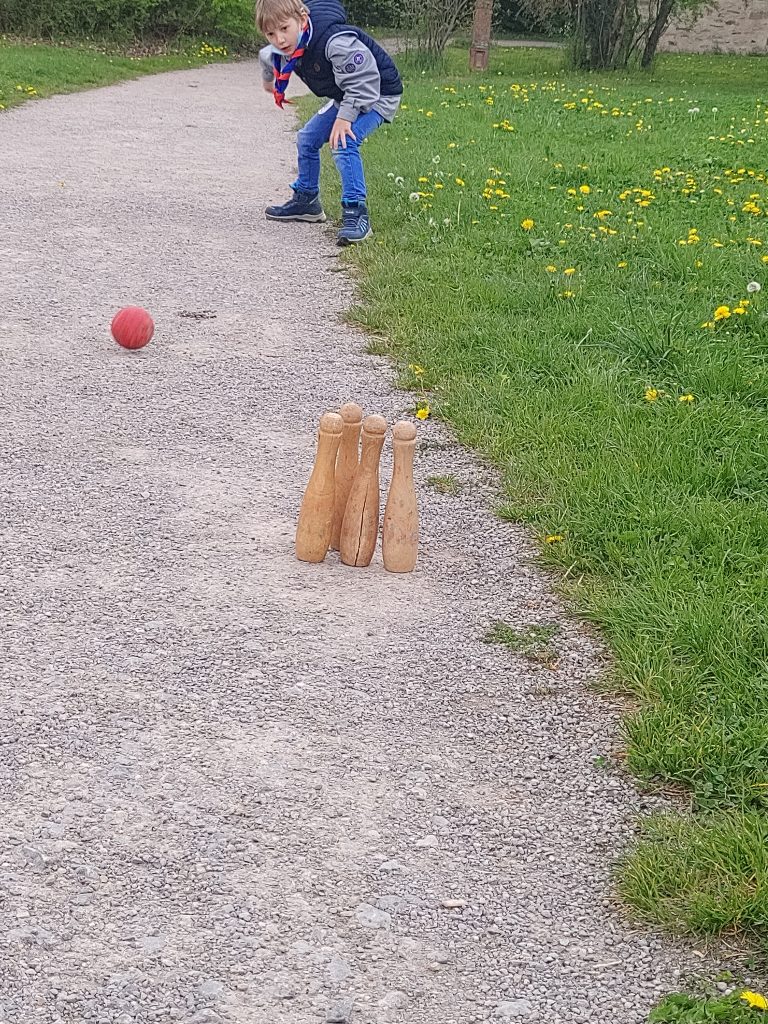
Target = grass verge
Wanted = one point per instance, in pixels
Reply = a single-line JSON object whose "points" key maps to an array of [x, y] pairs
{"points": [[737, 1008], [31, 70], [578, 264]]}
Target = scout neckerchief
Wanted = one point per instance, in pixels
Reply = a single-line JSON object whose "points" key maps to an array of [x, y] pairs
{"points": [[283, 74]]}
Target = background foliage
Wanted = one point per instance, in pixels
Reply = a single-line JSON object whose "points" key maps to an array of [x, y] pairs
{"points": [[230, 20]]}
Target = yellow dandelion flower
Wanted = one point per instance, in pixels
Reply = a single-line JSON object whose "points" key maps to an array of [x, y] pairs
{"points": [[415, 368], [722, 313], [686, 398], [585, 190], [651, 394], [527, 224], [569, 271], [422, 413], [461, 182], [551, 268], [553, 538], [602, 214], [567, 295], [755, 1000], [622, 263]]}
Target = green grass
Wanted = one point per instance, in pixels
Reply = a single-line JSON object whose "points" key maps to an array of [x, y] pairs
{"points": [[32, 70], [701, 875], [684, 1009], [571, 351], [533, 642], [447, 484]]}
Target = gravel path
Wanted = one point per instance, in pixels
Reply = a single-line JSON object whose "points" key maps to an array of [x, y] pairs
{"points": [[238, 788]]}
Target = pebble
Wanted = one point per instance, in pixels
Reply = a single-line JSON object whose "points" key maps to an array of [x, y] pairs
{"points": [[394, 1000], [371, 917], [338, 970], [340, 1013], [210, 989], [35, 858], [513, 1008], [390, 865]]}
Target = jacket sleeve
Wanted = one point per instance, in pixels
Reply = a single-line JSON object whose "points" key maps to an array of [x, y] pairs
{"points": [[265, 64], [356, 74]]}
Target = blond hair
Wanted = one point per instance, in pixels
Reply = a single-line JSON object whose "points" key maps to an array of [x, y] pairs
{"points": [[270, 12]]}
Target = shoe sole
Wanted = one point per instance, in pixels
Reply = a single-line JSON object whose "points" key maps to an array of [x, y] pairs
{"points": [[354, 241], [308, 218]]}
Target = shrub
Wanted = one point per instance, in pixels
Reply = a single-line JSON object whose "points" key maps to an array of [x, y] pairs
{"points": [[230, 20]]}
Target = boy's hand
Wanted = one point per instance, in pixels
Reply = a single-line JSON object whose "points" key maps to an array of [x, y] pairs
{"points": [[341, 131]]}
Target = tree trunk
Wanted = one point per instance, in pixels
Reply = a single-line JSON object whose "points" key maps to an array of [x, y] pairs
{"points": [[481, 35], [605, 32], [662, 20]]}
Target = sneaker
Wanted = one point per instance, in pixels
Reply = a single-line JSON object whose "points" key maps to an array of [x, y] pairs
{"points": [[304, 206], [356, 226]]}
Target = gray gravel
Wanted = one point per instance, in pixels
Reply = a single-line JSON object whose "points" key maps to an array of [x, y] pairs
{"points": [[238, 788]]}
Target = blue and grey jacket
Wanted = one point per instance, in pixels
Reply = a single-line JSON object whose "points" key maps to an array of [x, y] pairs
{"points": [[344, 64]]}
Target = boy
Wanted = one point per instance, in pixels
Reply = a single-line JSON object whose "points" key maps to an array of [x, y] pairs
{"points": [[364, 89]]}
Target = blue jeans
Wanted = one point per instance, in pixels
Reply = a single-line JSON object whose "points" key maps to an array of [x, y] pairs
{"points": [[314, 135]]}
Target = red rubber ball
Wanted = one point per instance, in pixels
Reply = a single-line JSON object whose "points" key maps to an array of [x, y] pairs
{"points": [[132, 327]]}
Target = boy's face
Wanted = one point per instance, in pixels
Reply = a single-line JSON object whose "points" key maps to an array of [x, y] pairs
{"points": [[284, 35]]}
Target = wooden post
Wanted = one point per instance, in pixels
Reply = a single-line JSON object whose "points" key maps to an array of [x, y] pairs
{"points": [[481, 35]]}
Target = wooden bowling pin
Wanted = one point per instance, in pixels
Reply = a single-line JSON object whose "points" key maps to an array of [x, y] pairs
{"points": [[313, 531], [400, 532], [360, 526], [347, 462]]}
